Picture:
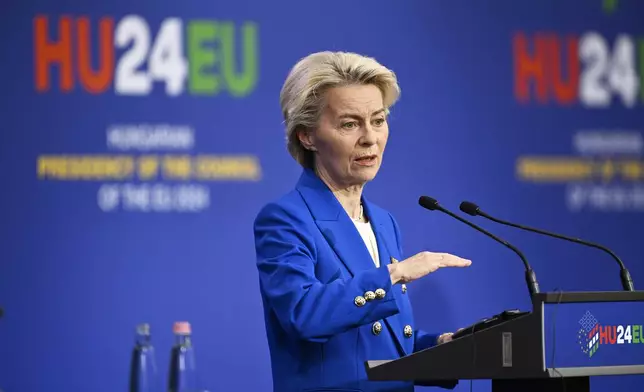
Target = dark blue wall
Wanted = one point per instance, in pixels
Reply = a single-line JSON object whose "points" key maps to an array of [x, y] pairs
{"points": [[84, 259]]}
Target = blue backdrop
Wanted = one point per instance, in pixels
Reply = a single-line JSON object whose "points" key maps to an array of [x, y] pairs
{"points": [[140, 139]]}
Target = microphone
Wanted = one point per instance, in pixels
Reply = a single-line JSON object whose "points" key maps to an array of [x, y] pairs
{"points": [[627, 282], [530, 277]]}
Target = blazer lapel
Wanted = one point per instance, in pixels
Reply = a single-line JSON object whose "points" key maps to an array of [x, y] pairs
{"points": [[334, 223], [379, 222]]}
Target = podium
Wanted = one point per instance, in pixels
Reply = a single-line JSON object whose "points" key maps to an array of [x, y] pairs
{"points": [[564, 340]]}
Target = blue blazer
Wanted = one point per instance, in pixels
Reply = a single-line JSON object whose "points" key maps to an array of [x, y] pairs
{"points": [[317, 281]]}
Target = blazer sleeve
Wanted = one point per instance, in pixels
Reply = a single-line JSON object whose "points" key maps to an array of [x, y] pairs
{"points": [[305, 306], [422, 339]]}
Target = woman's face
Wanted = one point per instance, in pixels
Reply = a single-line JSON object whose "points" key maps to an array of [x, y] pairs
{"points": [[351, 136]]}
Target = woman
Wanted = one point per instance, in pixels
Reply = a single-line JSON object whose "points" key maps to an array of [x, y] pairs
{"points": [[331, 268]]}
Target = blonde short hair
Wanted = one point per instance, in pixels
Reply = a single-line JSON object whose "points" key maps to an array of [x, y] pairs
{"points": [[302, 96]]}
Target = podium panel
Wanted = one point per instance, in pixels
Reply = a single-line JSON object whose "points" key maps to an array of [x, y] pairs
{"points": [[558, 346], [593, 334]]}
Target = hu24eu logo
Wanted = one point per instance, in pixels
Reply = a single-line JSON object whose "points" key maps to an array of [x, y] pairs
{"points": [[589, 69], [198, 57], [592, 335]]}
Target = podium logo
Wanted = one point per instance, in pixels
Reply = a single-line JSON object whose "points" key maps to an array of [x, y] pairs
{"points": [[592, 335], [588, 335]]}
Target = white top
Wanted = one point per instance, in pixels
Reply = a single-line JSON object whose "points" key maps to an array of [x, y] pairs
{"points": [[369, 238]]}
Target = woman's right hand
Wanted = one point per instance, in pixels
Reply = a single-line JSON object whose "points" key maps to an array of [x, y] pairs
{"points": [[421, 264]]}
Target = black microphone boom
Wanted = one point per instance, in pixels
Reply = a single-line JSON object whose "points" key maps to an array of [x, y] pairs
{"points": [[627, 282], [530, 277]]}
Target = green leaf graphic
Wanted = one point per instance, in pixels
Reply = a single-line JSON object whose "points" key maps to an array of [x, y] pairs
{"points": [[610, 6]]}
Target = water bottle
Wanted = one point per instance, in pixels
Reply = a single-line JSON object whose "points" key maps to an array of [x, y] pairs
{"points": [[182, 376], [143, 371]]}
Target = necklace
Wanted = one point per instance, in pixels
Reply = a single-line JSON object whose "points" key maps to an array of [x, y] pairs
{"points": [[361, 216]]}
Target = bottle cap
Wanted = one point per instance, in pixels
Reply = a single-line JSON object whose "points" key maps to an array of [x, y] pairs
{"points": [[143, 329], [181, 328]]}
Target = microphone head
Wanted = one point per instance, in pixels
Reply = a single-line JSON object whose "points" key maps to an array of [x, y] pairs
{"points": [[470, 208], [429, 203]]}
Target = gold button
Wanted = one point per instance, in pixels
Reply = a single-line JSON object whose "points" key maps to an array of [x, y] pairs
{"points": [[380, 293], [404, 288], [359, 301], [408, 331], [369, 295], [376, 328]]}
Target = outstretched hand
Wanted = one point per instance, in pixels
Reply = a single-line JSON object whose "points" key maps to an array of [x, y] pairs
{"points": [[422, 264]]}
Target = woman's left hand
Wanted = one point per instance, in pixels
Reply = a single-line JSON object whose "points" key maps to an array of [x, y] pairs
{"points": [[446, 337]]}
